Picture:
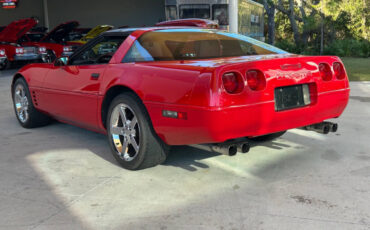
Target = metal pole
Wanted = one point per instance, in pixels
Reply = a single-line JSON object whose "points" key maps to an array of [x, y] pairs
{"points": [[46, 14], [233, 16]]}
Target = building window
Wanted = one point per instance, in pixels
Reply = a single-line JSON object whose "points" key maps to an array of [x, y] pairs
{"points": [[171, 12], [220, 14], [195, 11]]}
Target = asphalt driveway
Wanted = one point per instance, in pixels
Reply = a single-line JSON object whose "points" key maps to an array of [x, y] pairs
{"points": [[63, 177]]}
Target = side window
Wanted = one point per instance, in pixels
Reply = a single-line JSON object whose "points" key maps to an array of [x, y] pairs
{"points": [[100, 52], [137, 53]]}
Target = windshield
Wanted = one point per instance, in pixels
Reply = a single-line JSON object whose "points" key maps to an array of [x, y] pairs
{"points": [[190, 44]]}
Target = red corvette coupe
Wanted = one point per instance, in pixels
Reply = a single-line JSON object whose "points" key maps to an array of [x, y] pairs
{"points": [[150, 88]]}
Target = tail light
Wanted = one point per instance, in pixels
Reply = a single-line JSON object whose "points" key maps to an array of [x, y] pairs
{"points": [[233, 82], [325, 72], [67, 49], [2, 53], [256, 80], [19, 50], [42, 50], [338, 70]]}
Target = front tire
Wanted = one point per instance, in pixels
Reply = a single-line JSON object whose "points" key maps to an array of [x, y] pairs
{"points": [[26, 113], [5, 65], [131, 137]]}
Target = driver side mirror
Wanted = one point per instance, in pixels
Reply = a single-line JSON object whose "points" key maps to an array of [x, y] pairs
{"points": [[63, 61]]}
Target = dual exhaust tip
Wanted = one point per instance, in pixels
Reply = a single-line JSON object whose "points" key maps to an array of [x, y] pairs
{"points": [[233, 147], [323, 127], [229, 149]]}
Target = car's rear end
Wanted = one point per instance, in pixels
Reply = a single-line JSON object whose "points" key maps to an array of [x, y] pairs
{"points": [[243, 88], [267, 96]]}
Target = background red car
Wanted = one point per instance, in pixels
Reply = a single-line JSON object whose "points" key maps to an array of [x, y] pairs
{"points": [[54, 43], [10, 49], [151, 88]]}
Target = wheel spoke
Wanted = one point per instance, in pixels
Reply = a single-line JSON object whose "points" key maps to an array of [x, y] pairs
{"points": [[134, 144], [124, 146], [116, 130], [133, 123], [22, 92], [18, 97], [122, 112]]}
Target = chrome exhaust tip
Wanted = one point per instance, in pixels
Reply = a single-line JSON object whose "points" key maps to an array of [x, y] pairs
{"points": [[333, 126], [224, 148], [322, 127], [244, 147]]}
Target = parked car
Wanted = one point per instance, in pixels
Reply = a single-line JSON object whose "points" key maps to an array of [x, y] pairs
{"points": [[159, 87], [196, 22], [96, 31], [77, 34], [10, 50], [54, 43]]}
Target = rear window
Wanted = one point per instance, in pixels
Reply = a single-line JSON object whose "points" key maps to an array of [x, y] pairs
{"points": [[187, 44]]}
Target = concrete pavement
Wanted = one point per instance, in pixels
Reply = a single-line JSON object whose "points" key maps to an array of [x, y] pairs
{"points": [[63, 177]]}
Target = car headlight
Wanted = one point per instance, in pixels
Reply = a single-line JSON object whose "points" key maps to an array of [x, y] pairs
{"points": [[2, 53], [19, 51], [42, 49]]}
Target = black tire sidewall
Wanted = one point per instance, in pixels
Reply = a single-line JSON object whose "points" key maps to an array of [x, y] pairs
{"points": [[144, 125]]}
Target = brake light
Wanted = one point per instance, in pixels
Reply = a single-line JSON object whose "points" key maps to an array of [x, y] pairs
{"points": [[338, 70], [19, 50], [233, 82], [325, 72], [256, 80], [2, 52], [67, 49]]}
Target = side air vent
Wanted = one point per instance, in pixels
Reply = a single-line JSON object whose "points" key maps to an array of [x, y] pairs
{"points": [[34, 98]]}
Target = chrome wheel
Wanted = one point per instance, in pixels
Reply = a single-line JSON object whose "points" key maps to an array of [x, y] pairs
{"points": [[21, 103], [125, 132]]}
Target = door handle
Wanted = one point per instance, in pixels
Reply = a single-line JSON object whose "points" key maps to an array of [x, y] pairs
{"points": [[95, 76]]}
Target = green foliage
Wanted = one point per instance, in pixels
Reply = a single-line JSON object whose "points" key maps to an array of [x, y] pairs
{"points": [[346, 28], [348, 48]]}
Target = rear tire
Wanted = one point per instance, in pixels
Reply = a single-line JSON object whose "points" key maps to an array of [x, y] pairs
{"points": [[268, 137], [28, 116], [132, 139]]}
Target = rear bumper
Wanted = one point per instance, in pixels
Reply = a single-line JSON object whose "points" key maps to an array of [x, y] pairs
{"points": [[215, 125]]}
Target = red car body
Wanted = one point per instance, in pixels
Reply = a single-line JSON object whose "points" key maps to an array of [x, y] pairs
{"points": [[10, 49], [193, 88], [53, 42]]}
